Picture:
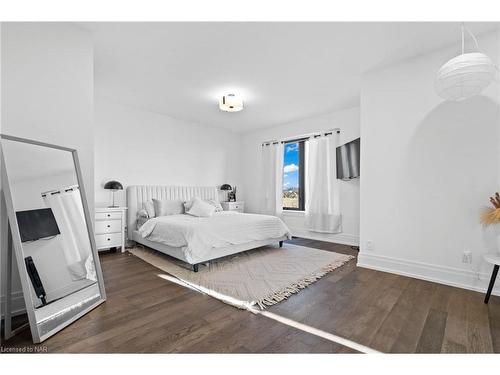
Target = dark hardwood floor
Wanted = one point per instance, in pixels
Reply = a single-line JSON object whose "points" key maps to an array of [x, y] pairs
{"points": [[389, 313]]}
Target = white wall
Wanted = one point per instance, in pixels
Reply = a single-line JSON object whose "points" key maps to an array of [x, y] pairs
{"points": [[348, 122], [428, 168], [138, 147], [47, 92]]}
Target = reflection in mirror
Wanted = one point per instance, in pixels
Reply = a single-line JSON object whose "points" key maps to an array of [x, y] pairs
{"points": [[56, 248]]}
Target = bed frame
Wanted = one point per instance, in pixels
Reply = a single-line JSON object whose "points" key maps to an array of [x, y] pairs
{"points": [[138, 195]]}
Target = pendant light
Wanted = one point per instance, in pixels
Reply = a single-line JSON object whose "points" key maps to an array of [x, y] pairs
{"points": [[465, 75]]}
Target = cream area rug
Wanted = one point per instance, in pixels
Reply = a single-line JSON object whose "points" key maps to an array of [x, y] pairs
{"points": [[263, 276]]}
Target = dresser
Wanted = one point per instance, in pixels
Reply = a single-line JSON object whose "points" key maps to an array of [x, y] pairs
{"points": [[238, 206], [110, 227]]}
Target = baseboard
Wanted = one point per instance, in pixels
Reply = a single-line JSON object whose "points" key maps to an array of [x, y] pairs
{"points": [[342, 238], [18, 307], [466, 279]]}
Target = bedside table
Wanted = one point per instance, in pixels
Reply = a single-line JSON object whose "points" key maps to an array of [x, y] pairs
{"points": [[110, 227], [238, 206]]}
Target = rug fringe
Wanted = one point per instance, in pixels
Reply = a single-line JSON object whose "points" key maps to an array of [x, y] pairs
{"points": [[296, 287], [271, 299]]}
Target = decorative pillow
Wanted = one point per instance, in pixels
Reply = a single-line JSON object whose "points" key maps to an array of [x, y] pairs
{"points": [[143, 213], [189, 203], [150, 208], [168, 207], [216, 204], [201, 208], [212, 202], [141, 220]]}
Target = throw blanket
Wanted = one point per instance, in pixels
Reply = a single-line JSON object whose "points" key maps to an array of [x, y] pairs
{"points": [[198, 235]]}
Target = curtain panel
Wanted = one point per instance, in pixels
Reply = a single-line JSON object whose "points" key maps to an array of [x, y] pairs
{"points": [[322, 208], [272, 179], [68, 212]]}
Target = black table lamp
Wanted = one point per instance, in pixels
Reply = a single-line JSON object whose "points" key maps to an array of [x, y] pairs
{"points": [[113, 186], [231, 193]]}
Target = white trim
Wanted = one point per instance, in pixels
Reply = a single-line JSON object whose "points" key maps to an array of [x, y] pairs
{"points": [[341, 238], [18, 307], [466, 279]]}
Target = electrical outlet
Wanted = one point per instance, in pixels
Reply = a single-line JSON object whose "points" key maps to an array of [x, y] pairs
{"points": [[369, 245], [467, 257]]}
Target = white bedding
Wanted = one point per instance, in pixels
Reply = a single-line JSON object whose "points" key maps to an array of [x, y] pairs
{"points": [[198, 235]]}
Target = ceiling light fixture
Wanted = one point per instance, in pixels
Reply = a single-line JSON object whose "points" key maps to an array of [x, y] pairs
{"points": [[465, 75], [230, 103]]}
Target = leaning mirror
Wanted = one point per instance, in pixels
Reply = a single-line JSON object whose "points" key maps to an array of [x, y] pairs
{"points": [[50, 233]]}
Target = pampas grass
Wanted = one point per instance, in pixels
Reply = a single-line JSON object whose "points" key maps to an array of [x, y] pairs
{"points": [[491, 215]]}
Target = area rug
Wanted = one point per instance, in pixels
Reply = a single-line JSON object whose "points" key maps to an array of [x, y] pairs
{"points": [[262, 277]]}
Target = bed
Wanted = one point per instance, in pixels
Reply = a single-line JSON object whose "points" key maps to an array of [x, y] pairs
{"points": [[195, 240]]}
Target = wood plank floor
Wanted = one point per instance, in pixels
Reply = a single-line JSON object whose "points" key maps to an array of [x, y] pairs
{"points": [[389, 313]]}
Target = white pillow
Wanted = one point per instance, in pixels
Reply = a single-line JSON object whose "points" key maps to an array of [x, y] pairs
{"points": [[168, 207], [212, 202], [188, 204], [143, 213], [201, 208], [150, 208], [217, 205]]}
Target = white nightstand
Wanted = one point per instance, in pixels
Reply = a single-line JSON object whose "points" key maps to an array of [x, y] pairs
{"points": [[238, 206], [110, 227]]}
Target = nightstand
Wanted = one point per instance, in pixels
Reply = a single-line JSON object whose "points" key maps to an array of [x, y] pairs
{"points": [[110, 227], [238, 206]]}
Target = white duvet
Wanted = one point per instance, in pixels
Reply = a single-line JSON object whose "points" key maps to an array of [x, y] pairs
{"points": [[198, 235]]}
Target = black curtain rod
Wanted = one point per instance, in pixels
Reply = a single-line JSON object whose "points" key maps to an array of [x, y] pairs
{"points": [[299, 139]]}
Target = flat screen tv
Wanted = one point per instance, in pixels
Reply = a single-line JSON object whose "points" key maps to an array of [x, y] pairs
{"points": [[348, 160], [36, 224]]}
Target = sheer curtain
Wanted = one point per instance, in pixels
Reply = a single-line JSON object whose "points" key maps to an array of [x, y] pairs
{"points": [[68, 212], [272, 179], [322, 187]]}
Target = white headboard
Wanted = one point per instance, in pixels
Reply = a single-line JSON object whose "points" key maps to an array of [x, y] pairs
{"points": [[137, 195]]}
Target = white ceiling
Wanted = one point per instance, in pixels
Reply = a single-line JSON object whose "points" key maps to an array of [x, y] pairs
{"points": [[284, 71]]}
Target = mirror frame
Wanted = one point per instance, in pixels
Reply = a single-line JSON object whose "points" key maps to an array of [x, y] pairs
{"points": [[17, 244]]}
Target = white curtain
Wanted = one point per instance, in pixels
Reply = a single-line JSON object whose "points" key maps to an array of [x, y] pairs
{"points": [[272, 179], [322, 187], [68, 212]]}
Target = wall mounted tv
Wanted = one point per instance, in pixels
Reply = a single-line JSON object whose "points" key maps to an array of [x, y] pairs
{"points": [[36, 224], [348, 160]]}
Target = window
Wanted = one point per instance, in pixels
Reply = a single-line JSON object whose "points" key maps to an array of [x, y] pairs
{"points": [[293, 176]]}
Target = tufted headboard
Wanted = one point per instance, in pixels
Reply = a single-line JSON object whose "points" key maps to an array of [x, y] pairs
{"points": [[137, 195]]}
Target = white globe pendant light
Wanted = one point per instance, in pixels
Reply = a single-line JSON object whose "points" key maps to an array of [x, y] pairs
{"points": [[465, 75]]}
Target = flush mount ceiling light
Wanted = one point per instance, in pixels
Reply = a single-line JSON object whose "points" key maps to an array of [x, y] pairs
{"points": [[465, 75], [230, 103]]}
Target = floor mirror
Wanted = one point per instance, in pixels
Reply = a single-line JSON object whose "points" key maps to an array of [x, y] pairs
{"points": [[50, 235]]}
